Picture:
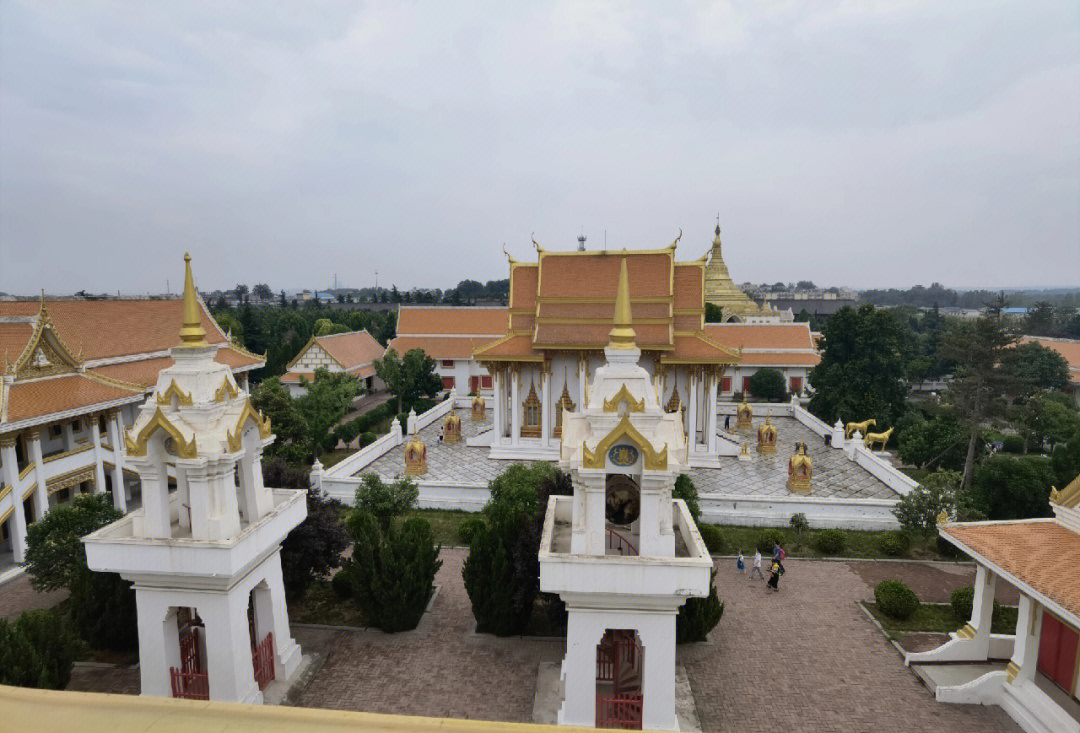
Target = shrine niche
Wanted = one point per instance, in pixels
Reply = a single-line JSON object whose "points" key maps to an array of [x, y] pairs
{"points": [[530, 415], [415, 457], [623, 500], [800, 470], [564, 403], [744, 418], [766, 438], [452, 428], [478, 409]]}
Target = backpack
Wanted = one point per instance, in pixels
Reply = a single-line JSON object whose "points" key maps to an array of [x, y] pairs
{"points": [[783, 554], [779, 568]]}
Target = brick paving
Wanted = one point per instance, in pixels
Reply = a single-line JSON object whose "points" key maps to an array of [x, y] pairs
{"points": [[17, 596], [932, 582], [806, 659]]}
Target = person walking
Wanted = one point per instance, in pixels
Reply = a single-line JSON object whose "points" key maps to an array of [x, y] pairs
{"points": [[727, 423], [774, 576], [757, 566], [740, 563]]}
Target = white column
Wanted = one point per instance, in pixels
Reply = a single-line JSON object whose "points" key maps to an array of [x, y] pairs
{"points": [[691, 431], [116, 439], [155, 499], [287, 653], [159, 643], [583, 376], [1025, 656], [69, 435], [982, 606], [41, 496], [500, 400], [515, 408], [658, 674], [18, 513], [228, 648], [579, 669], [99, 467], [710, 407], [545, 401]]}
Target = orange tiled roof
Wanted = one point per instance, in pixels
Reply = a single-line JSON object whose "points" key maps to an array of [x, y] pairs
{"points": [[596, 335], [13, 340], [1070, 350], [145, 371], [780, 358], [414, 321], [572, 275], [689, 285], [27, 400], [294, 377], [1042, 554], [101, 329], [698, 348], [351, 349], [523, 277], [513, 347], [440, 347], [761, 335]]}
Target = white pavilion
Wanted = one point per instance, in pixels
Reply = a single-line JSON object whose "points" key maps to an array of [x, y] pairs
{"points": [[203, 552]]}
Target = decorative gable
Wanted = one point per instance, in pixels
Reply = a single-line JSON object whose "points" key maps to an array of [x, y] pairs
{"points": [[45, 354]]}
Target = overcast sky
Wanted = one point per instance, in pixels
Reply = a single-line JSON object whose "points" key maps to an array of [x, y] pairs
{"points": [[851, 143]]}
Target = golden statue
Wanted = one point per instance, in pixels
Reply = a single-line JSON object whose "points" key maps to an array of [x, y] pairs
{"points": [[862, 427], [745, 416], [479, 409], [800, 469], [943, 518], [452, 427], [872, 438], [415, 457], [766, 437]]}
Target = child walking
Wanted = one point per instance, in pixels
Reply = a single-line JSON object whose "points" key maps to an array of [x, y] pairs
{"points": [[757, 566], [740, 563]]}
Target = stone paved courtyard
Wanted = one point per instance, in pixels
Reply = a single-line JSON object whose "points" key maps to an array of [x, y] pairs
{"points": [[765, 475], [806, 659]]}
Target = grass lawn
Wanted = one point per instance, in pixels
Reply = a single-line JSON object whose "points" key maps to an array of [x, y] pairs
{"points": [[939, 617], [320, 605], [444, 524], [335, 456]]}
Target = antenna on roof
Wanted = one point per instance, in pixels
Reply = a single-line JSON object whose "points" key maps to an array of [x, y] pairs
{"points": [[581, 240]]}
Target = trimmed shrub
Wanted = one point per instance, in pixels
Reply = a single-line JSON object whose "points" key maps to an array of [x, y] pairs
{"points": [[896, 599], [768, 539], [341, 585], [894, 544], [685, 490], [37, 650], [468, 529], [713, 537], [799, 523], [829, 541], [392, 570], [367, 439], [1013, 443], [961, 601], [699, 616], [386, 501], [768, 384]]}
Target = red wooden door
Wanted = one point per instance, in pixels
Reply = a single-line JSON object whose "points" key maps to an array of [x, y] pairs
{"points": [[1057, 652]]}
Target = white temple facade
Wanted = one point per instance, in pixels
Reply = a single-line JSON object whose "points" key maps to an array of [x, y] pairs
{"points": [[621, 552], [203, 552]]}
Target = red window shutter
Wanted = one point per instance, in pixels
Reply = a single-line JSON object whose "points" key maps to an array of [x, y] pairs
{"points": [[448, 382], [485, 382], [448, 363], [796, 384], [725, 384], [746, 384], [474, 383]]}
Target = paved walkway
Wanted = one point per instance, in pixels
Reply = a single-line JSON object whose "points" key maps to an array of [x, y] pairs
{"points": [[17, 596], [806, 659]]}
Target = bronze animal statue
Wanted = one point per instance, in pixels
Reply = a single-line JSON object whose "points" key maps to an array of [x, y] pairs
{"points": [[862, 427], [882, 438]]}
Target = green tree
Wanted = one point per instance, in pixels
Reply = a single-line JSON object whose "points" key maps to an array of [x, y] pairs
{"points": [[685, 490], [768, 384], [408, 378], [713, 313], [262, 291], [37, 650], [980, 383], [938, 442], [1065, 460], [322, 406], [1040, 320], [273, 400], [102, 604], [1014, 488], [326, 327], [1048, 418], [699, 616], [1033, 367], [918, 510], [861, 372], [385, 501]]}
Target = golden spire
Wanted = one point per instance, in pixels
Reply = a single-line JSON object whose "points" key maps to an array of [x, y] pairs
{"points": [[623, 335], [192, 334]]}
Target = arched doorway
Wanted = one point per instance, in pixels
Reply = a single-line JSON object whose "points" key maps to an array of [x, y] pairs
{"points": [[619, 692], [622, 508]]}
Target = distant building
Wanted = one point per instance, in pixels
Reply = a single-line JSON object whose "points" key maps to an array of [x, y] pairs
{"points": [[354, 353], [450, 335]]}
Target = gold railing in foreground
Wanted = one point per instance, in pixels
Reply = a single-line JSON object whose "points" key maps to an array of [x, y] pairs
{"points": [[31, 711]]}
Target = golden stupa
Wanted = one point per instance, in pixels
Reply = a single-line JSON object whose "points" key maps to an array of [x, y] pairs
{"points": [[721, 291]]}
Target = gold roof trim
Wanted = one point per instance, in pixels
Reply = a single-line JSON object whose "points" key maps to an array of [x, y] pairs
{"points": [[654, 460], [1069, 497], [137, 447], [622, 395], [232, 437], [173, 390], [227, 389], [45, 339]]}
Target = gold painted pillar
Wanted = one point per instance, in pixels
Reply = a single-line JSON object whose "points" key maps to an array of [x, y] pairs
{"points": [[515, 407]]}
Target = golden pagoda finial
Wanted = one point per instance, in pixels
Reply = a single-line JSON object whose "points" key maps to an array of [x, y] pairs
{"points": [[192, 334], [622, 335]]}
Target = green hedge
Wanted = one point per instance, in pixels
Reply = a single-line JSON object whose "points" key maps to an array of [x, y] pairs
{"points": [[37, 650], [894, 544], [896, 599], [768, 539], [829, 541], [713, 538], [699, 616]]}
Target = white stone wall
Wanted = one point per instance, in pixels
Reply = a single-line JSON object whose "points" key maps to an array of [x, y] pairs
{"points": [[314, 358]]}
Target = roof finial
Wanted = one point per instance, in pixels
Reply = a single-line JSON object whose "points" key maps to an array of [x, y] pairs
{"points": [[718, 223], [622, 335], [192, 334]]}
